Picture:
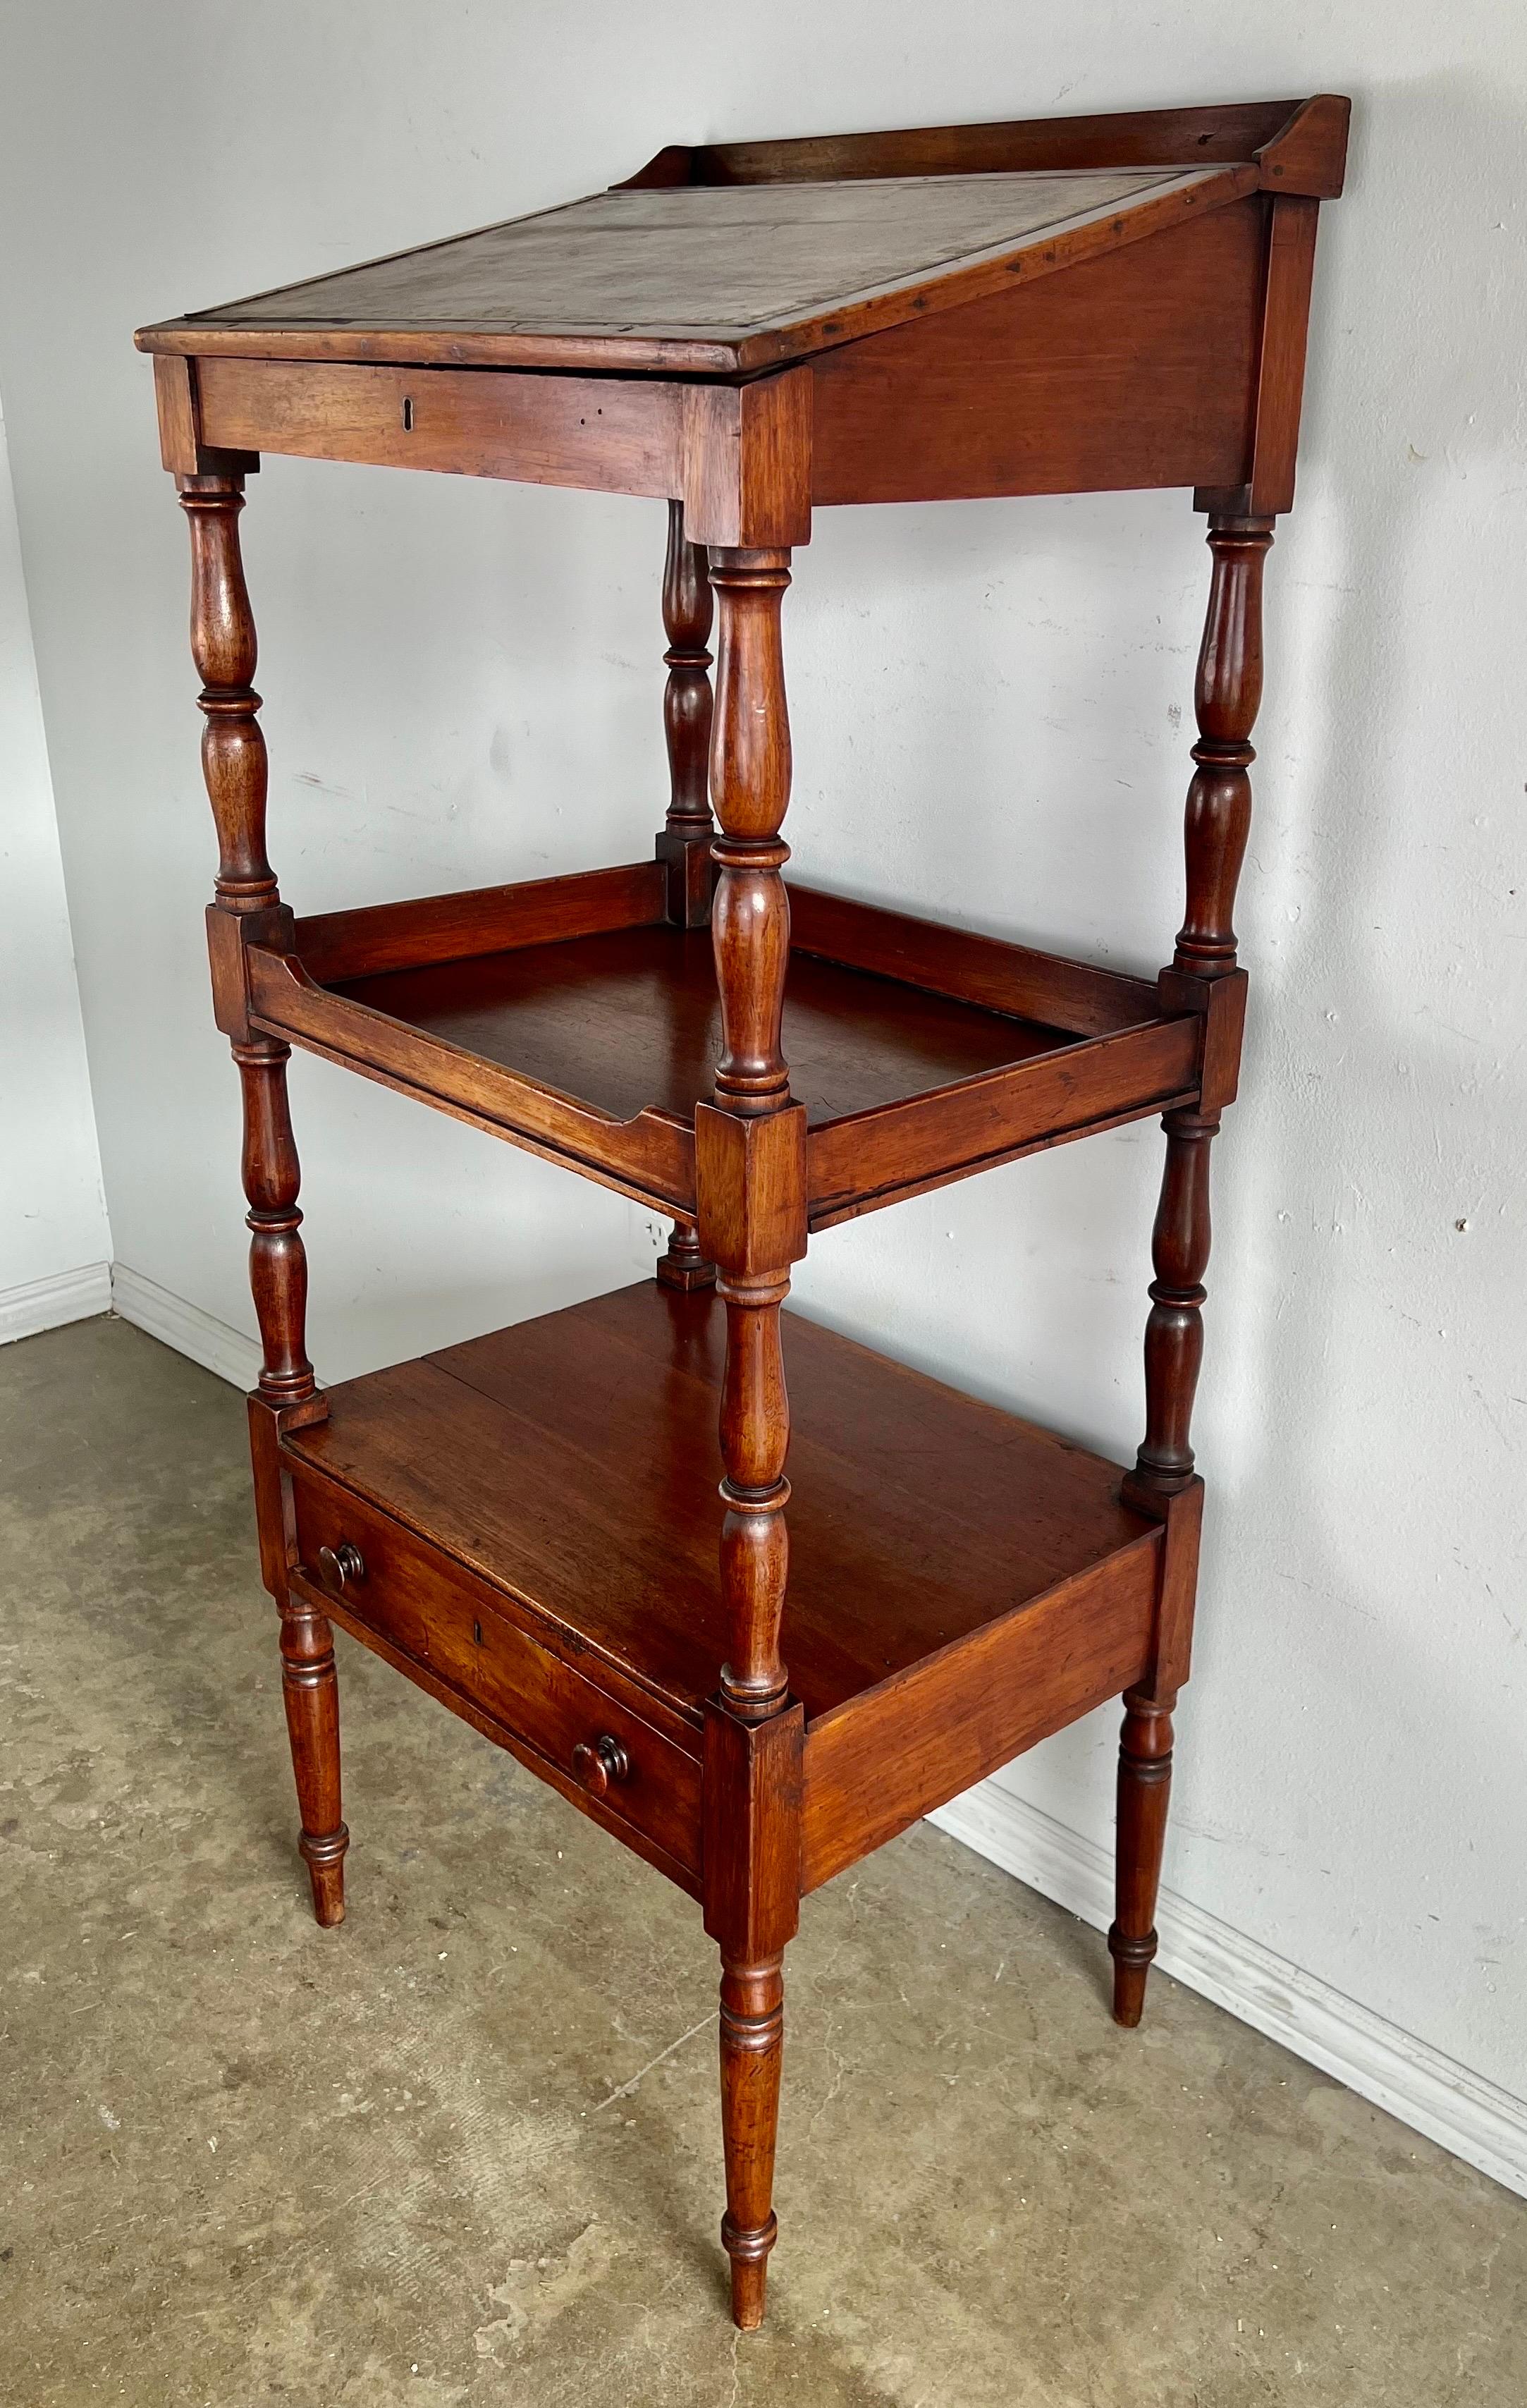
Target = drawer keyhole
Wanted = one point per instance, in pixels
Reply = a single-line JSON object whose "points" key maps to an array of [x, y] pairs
{"points": [[408, 417], [598, 1765]]}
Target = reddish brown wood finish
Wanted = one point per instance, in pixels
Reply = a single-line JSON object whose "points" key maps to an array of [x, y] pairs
{"points": [[437, 1616], [1300, 144], [895, 1752], [1131, 370], [749, 772], [311, 1692], [755, 1544], [1218, 821], [752, 1908], [878, 1156], [222, 643], [683, 1263], [753, 2034], [608, 438], [985, 970], [181, 448], [343, 945], [952, 1051], [1266, 486], [1026, 307], [922, 1517], [684, 845], [1145, 1786], [650, 1155], [277, 1263], [1174, 1345], [1228, 694]]}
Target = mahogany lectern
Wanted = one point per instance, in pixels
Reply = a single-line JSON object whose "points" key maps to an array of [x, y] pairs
{"points": [[528, 1526]]}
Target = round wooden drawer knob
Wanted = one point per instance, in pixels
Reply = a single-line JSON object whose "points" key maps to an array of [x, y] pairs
{"points": [[340, 1568], [597, 1765]]}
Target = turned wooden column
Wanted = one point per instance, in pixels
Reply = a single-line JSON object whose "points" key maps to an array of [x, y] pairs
{"points": [[750, 768], [684, 843], [752, 2027], [750, 1169], [1218, 819], [1145, 1788], [1217, 824], [278, 1260], [234, 764], [753, 1854], [223, 646]]}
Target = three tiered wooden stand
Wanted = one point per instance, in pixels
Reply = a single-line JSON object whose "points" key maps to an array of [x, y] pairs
{"points": [[528, 1526]]}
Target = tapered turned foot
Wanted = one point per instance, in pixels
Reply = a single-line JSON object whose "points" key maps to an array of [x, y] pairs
{"points": [[1144, 1783], [749, 2255], [310, 1692], [324, 1857], [752, 2041]]}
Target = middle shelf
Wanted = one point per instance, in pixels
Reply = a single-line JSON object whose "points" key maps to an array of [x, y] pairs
{"points": [[569, 1016]]}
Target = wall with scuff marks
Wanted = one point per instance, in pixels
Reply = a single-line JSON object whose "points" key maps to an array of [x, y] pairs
{"points": [[988, 701]]}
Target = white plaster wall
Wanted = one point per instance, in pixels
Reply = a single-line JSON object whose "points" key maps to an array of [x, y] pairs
{"points": [[463, 684], [54, 1239]]}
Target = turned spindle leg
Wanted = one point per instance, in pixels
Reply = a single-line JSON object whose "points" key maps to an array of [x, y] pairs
{"points": [[684, 844], [1145, 1783], [1217, 824], [311, 1692], [222, 642], [277, 1262], [751, 1162], [750, 769], [278, 1279], [755, 1540], [753, 2049], [1173, 1341]]}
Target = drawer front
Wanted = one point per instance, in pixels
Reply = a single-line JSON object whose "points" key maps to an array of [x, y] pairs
{"points": [[432, 1611]]}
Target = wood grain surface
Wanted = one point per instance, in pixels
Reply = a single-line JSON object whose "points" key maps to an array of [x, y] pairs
{"points": [[573, 1461]]}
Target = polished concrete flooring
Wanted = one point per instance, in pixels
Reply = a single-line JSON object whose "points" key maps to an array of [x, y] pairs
{"points": [[465, 2150]]}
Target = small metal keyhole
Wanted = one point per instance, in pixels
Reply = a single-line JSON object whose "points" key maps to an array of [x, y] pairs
{"points": [[477, 1632], [408, 417]]}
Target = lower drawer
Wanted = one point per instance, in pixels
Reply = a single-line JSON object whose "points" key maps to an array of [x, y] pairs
{"points": [[431, 1611]]}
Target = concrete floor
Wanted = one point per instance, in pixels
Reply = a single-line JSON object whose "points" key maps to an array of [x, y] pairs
{"points": [[465, 2149]]}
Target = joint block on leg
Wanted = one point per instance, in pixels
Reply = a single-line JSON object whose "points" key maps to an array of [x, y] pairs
{"points": [[688, 878], [751, 1188], [229, 935], [1222, 1003], [751, 1840], [748, 462]]}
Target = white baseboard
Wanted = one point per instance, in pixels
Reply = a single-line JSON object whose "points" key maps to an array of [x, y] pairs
{"points": [[1483, 2124], [185, 1326], [48, 1303]]}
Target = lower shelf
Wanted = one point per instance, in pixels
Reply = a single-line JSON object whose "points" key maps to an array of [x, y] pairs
{"points": [[536, 1517]]}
